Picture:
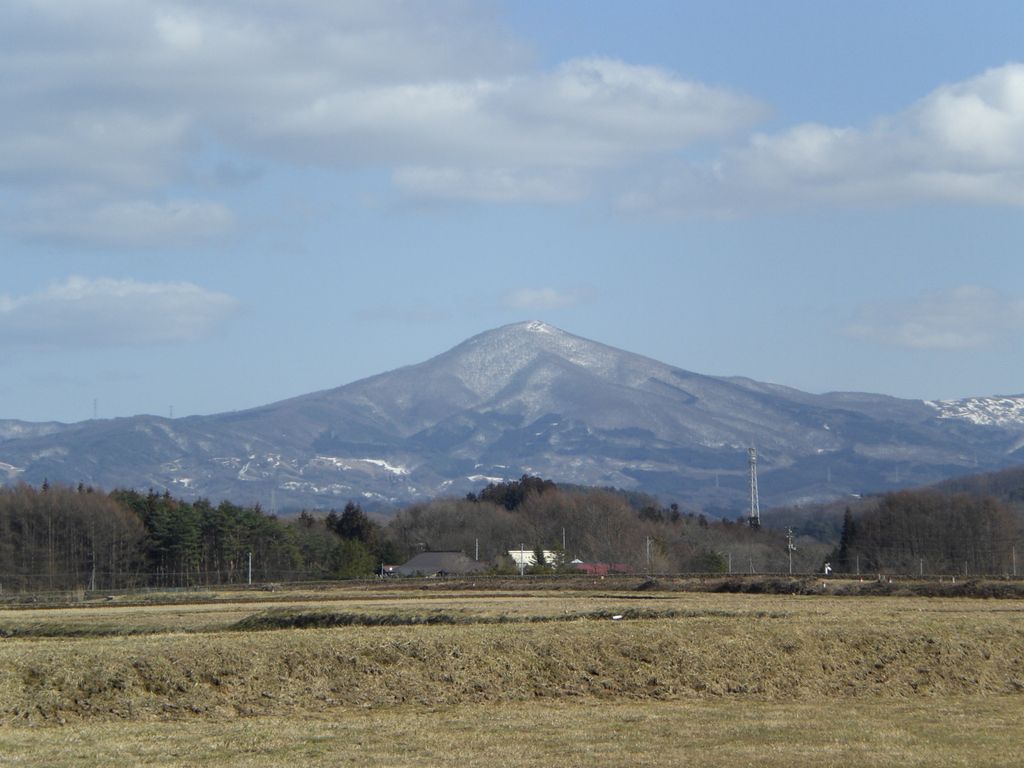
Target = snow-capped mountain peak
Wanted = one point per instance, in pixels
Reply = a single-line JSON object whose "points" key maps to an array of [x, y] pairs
{"points": [[999, 411], [536, 326]]}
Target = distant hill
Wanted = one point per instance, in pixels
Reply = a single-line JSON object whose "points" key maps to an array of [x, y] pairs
{"points": [[823, 521], [1006, 485], [529, 398]]}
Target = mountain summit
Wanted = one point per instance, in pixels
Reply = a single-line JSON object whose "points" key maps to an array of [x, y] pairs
{"points": [[531, 398]]}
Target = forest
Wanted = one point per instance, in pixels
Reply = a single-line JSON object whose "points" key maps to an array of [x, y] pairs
{"points": [[928, 532], [59, 538]]}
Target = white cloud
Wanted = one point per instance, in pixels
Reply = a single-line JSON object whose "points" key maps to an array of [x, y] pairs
{"points": [[587, 113], [541, 299], [100, 312], [600, 110], [122, 92], [963, 142], [125, 224], [130, 99], [965, 317], [536, 137], [111, 146]]}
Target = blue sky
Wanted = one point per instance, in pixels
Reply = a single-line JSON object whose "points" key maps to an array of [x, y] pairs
{"points": [[211, 206]]}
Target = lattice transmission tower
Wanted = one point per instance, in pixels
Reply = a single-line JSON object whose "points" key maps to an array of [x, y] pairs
{"points": [[755, 504]]}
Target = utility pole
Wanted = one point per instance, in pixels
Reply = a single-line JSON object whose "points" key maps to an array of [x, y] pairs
{"points": [[476, 551], [648, 542], [1013, 552], [250, 569], [522, 558], [790, 548]]}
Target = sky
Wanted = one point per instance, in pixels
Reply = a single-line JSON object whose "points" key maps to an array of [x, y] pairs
{"points": [[213, 206]]}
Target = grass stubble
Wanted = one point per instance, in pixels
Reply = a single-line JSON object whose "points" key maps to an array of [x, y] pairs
{"points": [[700, 679]]}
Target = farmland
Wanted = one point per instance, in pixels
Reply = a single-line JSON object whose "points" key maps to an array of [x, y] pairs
{"points": [[506, 674]]}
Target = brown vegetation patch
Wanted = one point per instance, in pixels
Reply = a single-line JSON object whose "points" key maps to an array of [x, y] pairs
{"points": [[766, 647], [866, 732]]}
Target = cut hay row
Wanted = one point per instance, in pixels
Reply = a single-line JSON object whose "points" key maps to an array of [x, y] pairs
{"points": [[818, 652]]}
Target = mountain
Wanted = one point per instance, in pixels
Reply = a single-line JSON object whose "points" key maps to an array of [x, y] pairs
{"points": [[530, 398]]}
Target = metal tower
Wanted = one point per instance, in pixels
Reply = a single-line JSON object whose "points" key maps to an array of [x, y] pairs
{"points": [[755, 504]]}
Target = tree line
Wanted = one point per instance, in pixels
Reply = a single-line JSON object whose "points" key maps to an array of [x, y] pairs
{"points": [[61, 538], [930, 532], [57, 538], [591, 525], [67, 538]]}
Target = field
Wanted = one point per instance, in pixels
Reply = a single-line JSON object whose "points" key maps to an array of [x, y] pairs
{"points": [[517, 674]]}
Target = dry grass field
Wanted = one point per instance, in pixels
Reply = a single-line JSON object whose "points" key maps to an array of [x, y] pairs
{"points": [[610, 675]]}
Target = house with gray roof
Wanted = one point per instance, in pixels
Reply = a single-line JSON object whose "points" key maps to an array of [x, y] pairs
{"points": [[440, 564]]}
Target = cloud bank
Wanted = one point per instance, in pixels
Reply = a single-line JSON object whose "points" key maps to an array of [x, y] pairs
{"points": [[962, 143], [966, 317], [111, 105], [122, 223], [104, 312], [122, 112]]}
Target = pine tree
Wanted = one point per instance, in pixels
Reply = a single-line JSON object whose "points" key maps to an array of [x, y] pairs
{"points": [[540, 562]]}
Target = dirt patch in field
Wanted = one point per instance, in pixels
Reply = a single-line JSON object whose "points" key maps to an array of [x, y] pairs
{"points": [[291, 619], [759, 584]]}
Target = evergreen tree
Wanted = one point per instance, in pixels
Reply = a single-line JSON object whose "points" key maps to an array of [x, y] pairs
{"points": [[352, 560], [354, 524], [539, 557]]}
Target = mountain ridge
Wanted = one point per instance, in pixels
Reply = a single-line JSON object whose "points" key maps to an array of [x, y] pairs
{"points": [[529, 398]]}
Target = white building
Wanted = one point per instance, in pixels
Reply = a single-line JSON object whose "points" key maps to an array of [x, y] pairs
{"points": [[524, 558]]}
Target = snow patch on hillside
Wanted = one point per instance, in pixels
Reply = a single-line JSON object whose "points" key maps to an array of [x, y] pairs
{"points": [[392, 468], [12, 430], [331, 461], [10, 470], [333, 489], [347, 465], [992, 411]]}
